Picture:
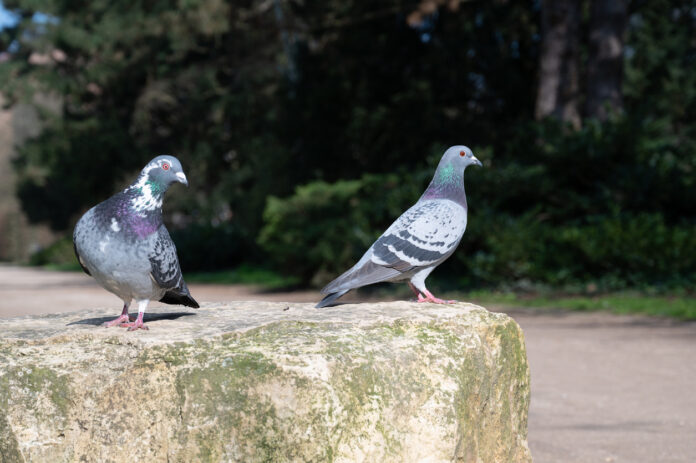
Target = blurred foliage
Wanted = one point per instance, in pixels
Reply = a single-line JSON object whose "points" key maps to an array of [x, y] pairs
{"points": [[59, 256], [306, 127], [246, 274], [321, 228], [205, 247]]}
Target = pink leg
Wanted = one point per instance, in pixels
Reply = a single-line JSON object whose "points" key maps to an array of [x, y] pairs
{"points": [[137, 324], [123, 318], [430, 298]]}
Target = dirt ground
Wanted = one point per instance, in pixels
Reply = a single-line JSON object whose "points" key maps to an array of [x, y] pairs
{"points": [[605, 388]]}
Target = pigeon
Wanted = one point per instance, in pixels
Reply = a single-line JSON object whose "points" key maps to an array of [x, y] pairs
{"points": [[124, 245], [420, 239]]}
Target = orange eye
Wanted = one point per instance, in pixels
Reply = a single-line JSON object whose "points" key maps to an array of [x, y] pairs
{"points": [[462, 153], [165, 166]]}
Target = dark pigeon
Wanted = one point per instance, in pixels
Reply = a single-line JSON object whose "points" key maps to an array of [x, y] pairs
{"points": [[418, 241], [124, 245]]}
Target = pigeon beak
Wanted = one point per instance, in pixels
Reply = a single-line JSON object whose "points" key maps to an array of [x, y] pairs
{"points": [[476, 162], [181, 177]]}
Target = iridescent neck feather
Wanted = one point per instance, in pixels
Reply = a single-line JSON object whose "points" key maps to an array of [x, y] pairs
{"points": [[146, 194], [447, 183]]}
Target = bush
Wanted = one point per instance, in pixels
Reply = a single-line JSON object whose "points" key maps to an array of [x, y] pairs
{"points": [[324, 228], [608, 205], [208, 247], [59, 255], [610, 252]]}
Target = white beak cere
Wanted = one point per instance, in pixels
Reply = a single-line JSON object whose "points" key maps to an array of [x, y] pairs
{"points": [[182, 178]]}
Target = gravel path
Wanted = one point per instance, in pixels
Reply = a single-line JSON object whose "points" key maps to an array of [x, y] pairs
{"points": [[605, 388]]}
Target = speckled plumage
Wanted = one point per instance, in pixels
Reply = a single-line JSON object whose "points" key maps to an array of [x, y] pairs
{"points": [[123, 243], [420, 239]]}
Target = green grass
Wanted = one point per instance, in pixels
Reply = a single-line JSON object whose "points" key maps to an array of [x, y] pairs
{"points": [[677, 306], [244, 274]]}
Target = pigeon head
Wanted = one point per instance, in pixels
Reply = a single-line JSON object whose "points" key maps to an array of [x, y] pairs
{"points": [[165, 170], [154, 181], [459, 156], [450, 171], [448, 181]]}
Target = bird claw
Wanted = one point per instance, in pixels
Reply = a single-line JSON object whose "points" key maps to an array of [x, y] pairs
{"points": [[435, 300], [120, 321], [136, 325]]}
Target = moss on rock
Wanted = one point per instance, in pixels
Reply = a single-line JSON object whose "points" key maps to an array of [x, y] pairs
{"points": [[374, 382]]}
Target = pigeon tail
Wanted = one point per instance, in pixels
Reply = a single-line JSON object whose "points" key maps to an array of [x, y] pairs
{"points": [[361, 275], [174, 297], [330, 299]]}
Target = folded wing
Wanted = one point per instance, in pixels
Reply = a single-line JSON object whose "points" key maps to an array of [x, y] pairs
{"points": [[166, 272]]}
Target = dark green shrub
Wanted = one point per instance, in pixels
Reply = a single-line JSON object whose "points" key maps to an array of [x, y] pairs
{"points": [[324, 228], [60, 255], [611, 252], [207, 247]]}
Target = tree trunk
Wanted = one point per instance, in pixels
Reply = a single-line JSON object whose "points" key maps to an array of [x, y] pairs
{"points": [[558, 80], [605, 63]]}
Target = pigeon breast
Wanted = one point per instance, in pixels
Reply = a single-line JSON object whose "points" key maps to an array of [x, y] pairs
{"points": [[114, 243]]}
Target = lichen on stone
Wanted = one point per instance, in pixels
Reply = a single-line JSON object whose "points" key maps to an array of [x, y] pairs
{"points": [[250, 382]]}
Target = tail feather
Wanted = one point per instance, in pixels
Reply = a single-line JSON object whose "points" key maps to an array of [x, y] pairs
{"points": [[363, 275], [330, 299], [175, 297], [367, 274]]}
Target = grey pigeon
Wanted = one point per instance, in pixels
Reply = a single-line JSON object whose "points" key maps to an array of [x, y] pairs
{"points": [[124, 245], [418, 241]]}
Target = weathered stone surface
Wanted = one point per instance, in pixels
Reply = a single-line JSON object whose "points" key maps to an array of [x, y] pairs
{"points": [[252, 381]]}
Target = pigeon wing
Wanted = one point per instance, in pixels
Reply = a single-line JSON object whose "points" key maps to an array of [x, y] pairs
{"points": [[164, 262], [166, 272], [424, 235]]}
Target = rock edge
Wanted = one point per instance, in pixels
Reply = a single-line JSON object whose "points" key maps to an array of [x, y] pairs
{"points": [[253, 381]]}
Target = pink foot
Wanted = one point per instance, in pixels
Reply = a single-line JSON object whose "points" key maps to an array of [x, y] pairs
{"points": [[137, 324], [120, 321], [435, 300], [123, 318]]}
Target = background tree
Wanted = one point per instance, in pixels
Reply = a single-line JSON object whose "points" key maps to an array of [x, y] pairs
{"points": [[560, 91], [559, 62], [606, 55], [274, 107]]}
